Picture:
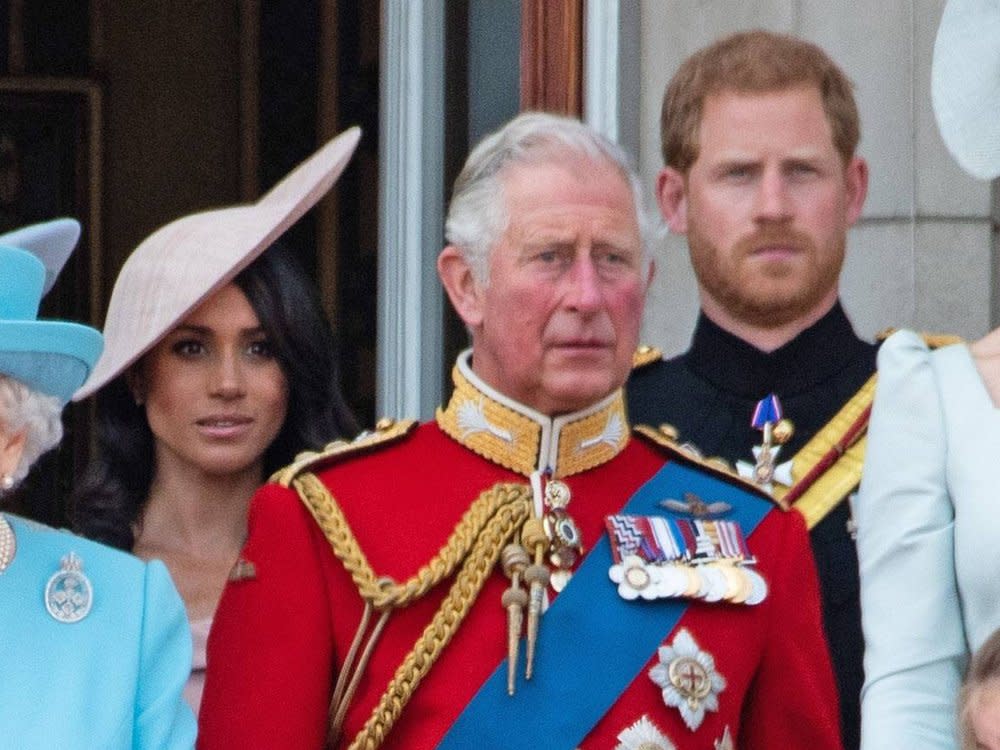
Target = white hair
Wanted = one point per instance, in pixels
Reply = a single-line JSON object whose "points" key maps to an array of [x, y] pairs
{"points": [[478, 214], [37, 414]]}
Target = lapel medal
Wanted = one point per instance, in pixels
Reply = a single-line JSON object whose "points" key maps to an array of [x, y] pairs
{"points": [[68, 594], [688, 679]]}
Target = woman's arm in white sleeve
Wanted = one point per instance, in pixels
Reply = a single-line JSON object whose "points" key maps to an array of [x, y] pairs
{"points": [[914, 638]]}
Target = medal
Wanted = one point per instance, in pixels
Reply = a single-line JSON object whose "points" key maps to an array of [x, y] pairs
{"points": [[68, 594], [767, 417], [758, 587], [714, 583], [565, 540], [688, 679], [635, 578]]}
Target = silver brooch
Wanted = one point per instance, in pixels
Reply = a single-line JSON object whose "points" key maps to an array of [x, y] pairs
{"points": [[68, 594]]}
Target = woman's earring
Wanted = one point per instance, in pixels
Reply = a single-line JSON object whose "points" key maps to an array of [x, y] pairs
{"points": [[6, 482]]}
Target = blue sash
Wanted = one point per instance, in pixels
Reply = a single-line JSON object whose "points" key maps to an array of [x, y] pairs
{"points": [[591, 642]]}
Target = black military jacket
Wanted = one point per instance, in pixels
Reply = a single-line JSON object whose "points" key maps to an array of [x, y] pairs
{"points": [[709, 394]]}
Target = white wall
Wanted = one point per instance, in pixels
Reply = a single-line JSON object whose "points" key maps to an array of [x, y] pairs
{"points": [[922, 255]]}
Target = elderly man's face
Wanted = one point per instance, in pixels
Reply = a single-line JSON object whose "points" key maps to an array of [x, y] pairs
{"points": [[557, 323]]}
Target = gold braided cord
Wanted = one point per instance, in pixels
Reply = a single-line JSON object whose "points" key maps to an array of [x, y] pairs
{"points": [[378, 590], [477, 567]]}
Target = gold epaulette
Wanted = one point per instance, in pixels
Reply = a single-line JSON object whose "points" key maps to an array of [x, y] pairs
{"points": [[386, 431], [933, 340], [645, 355], [666, 438]]}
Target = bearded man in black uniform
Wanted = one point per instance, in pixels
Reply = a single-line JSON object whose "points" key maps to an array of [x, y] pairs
{"points": [[759, 132]]}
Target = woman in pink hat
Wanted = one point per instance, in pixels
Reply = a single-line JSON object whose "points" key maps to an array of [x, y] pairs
{"points": [[219, 366]]}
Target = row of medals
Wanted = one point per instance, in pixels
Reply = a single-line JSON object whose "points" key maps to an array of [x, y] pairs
{"points": [[710, 582]]}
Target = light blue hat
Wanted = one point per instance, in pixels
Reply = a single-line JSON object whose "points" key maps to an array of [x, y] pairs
{"points": [[50, 356]]}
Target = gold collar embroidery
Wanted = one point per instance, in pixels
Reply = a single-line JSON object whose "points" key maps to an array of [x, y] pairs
{"points": [[524, 440]]}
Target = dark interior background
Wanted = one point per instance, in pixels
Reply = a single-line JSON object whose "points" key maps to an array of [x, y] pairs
{"points": [[130, 114]]}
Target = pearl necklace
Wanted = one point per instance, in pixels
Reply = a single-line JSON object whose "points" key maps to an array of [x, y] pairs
{"points": [[8, 544]]}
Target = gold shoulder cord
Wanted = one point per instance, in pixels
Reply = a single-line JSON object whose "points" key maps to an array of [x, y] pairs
{"points": [[476, 542]]}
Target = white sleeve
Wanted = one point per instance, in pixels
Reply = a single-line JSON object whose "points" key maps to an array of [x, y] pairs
{"points": [[915, 649]]}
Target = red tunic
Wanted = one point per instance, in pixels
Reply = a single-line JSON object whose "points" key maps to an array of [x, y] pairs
{"points": [[278, 637]]}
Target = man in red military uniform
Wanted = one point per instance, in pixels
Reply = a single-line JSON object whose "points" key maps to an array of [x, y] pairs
{"points": [[524, 571]]}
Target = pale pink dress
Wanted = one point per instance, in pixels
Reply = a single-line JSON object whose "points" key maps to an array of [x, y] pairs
{"points": [[196, 682]]}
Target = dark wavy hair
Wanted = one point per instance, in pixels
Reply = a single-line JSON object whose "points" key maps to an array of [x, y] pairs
{"points": [[115, 486]]}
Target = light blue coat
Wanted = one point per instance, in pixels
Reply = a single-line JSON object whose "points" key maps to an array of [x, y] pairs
{"points": [[112, 680], [928, 540]]}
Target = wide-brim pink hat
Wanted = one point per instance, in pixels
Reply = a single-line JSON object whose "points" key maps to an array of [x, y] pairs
{"points": [[181, 264]]}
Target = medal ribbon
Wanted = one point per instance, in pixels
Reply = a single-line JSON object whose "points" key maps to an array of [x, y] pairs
{"points": [[592, 643], [768, 409]]}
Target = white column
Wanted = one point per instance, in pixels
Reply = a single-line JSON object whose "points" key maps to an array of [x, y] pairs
{"points": [[611, 72], [411, 163]]}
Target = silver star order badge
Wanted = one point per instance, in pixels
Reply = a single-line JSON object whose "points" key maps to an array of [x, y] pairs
{"points": [[688, 679], [726, 741], [644, 735], [68, 594]]}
